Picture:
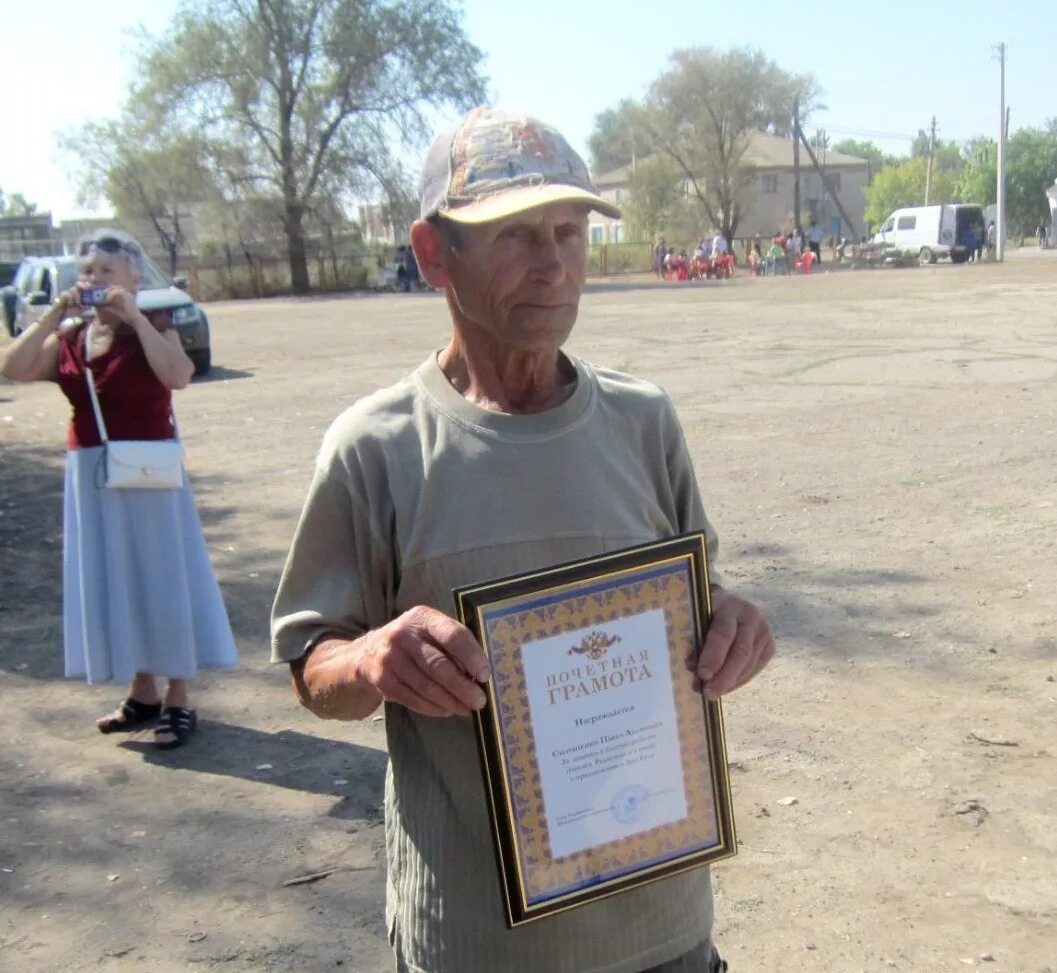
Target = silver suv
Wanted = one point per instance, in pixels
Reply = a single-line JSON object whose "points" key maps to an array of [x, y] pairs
{"points": [[39, 280]]}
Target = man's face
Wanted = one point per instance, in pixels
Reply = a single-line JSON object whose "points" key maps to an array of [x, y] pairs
{"points": [[519, 279]]}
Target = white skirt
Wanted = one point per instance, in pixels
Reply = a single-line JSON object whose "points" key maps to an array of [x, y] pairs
{"points": [[139, 593]]}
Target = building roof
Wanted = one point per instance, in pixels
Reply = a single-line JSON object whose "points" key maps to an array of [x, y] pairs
{"points": [[765, 151], [34, 219]]}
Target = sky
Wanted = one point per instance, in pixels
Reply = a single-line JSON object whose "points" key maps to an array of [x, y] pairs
{"points": [[885, 68]]}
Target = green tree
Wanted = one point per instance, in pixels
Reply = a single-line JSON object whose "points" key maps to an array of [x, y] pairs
{"points": [[703, 112], [1031, 168], [945, 155], [919, 148], [656, 202], [904, 185], [307, 87], [617, 138], [867, 150], [16, 205], [238, 214], [979, 178]]}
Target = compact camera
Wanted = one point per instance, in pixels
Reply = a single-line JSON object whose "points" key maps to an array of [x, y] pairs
{"points": [[93, 296]]}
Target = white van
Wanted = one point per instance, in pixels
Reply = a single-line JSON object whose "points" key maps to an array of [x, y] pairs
{"points": [[926, 233]]}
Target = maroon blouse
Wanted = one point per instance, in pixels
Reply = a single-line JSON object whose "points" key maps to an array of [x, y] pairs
{"points": [[134, 402]]}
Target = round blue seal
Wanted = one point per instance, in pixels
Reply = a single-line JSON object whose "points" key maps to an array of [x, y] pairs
{"points": [[627, 803]]}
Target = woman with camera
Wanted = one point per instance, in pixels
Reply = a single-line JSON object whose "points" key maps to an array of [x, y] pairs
{"points": [[140, 600]]}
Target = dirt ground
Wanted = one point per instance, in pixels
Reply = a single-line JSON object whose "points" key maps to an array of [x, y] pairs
{"points": [[878, 451]]}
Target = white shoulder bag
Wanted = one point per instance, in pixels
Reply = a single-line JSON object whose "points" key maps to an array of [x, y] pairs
{"points": [[137, 464]]}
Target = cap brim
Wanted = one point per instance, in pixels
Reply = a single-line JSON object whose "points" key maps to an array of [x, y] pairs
{"points": [[510, 202]]}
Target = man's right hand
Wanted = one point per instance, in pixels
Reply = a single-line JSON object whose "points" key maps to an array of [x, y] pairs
{"points": [[423, 660]]}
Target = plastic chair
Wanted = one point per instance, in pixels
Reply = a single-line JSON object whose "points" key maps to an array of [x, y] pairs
{"points": [[804, 263]]}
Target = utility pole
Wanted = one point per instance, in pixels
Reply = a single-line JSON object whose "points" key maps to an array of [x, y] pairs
{"points": [[826, 188], [1000, 218], [932, 152], [796, 164], [821, 145]]}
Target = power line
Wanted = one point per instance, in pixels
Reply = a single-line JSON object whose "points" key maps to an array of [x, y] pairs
{"points": [[868, 133], [903, 137]]}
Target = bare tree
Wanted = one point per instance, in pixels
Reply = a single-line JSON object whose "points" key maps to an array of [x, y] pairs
{"points": [[145, 177], [307, 87]]}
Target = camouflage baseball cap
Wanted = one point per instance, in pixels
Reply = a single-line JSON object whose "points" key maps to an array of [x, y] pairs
{"points": [[497, 163]]}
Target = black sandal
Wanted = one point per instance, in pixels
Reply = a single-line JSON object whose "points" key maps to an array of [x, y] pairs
{"points": [[128, 716], [179, 723]]}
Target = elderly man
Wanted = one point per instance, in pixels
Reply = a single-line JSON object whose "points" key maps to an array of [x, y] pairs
{"points": [[499, 454]]}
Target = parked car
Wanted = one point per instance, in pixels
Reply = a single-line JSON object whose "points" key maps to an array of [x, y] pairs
{"points": [[927, 233], [39, 280]]}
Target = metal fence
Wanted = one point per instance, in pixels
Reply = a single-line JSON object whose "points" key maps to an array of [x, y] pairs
{"points": [[270, 276], [356, 268], [610, 259], [360, 269]]}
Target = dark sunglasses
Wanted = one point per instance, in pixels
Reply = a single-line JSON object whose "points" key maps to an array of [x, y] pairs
{"points": [[107, 244]]}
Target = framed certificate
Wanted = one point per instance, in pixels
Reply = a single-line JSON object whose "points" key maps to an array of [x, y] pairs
{"points": [[604, 769]]}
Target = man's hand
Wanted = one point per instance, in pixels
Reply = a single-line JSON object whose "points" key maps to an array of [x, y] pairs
{"points": [[738, 645], [423, 660]]}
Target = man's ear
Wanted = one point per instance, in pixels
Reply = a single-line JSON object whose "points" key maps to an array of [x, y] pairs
{"points": [[430, 247]]}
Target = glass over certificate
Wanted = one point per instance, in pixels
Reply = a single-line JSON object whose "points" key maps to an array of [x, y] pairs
{"points": [[604, 769]]}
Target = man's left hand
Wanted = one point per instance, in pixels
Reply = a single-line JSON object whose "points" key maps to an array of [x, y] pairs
{"points": [[738, 645]]}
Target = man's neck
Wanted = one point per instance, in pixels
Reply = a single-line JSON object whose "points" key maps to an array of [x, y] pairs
{"points": [[503, 379]]}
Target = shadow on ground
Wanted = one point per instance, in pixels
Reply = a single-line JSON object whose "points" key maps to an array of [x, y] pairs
{"points": [[218, 373], [290, 759]]}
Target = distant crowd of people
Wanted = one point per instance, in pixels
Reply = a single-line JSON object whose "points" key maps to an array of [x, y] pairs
{"points": [[788, 251], [711, 258]]}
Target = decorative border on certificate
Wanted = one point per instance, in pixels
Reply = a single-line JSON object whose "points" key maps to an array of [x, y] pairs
{"points": [[604, 769]]}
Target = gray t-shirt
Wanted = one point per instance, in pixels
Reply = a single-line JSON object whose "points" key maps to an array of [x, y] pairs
{"points": [[418, 491]]}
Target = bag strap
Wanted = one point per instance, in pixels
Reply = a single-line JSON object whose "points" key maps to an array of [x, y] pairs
{"points": [[95, 404]]}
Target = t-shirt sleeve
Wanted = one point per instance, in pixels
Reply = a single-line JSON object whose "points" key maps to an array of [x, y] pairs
{"points": [[339, 577], [689, 508]]}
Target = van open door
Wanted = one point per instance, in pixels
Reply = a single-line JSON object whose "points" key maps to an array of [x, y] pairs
{"points": [[949, 227], [969, 231]]}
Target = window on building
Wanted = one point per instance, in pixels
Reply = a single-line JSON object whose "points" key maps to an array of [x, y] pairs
{"points": [[598, 234], [618, 232], [907, 222], [770, 182]]}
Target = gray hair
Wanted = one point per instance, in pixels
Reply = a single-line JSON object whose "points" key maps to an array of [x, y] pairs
{"points": [[113, 243]]}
